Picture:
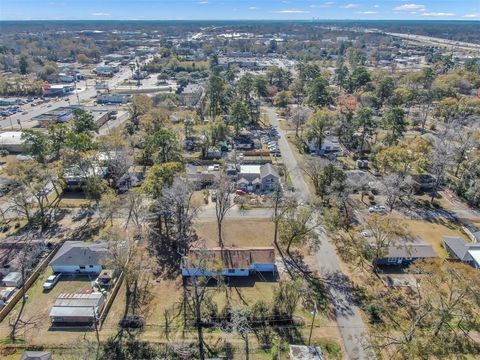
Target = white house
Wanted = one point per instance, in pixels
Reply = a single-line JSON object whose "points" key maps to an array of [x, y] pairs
{"points": [[458, 248], [329, 144], [258, 178], [229, 261], [79, 257]]}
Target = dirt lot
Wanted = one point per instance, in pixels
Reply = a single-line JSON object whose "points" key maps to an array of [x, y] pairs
{"points": [[245, 232]]}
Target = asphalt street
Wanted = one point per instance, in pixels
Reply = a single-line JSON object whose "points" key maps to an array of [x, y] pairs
{"points": [[347, 312]]}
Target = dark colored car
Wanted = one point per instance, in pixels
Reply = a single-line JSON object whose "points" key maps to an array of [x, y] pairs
{"points": [[132, 322]]}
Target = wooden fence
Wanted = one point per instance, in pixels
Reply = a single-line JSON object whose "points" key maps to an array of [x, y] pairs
{"points": [[111, 297]]}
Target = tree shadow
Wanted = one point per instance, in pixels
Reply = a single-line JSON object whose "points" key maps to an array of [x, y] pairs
{"points": [[342, 295], [85, 233], [289, 333]]}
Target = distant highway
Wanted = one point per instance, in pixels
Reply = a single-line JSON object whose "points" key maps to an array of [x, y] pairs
{"points": [[438, 41]]}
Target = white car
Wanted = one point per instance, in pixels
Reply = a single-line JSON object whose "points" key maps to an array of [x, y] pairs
{"points": [[51, 281], [379, 209]]}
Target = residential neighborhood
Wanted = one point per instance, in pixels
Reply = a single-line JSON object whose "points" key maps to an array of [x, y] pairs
{"points": [[285, 188]]}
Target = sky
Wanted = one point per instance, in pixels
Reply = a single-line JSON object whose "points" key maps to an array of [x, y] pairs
{"points": [[238, 9]]}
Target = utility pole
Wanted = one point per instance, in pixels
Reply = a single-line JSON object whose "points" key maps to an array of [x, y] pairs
{"points": [[76, 92]]}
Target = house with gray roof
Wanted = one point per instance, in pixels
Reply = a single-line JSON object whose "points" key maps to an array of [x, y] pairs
{"points": [[258, 178], [460, 249], [76, 257], [404, 255]]}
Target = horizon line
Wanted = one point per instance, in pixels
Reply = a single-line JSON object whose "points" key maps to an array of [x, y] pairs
{"points": [[233, 20]]}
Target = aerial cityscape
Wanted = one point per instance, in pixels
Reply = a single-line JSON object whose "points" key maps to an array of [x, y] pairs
{"points": [[257, 180]]}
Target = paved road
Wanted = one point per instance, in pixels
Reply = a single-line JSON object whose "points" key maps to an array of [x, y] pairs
{"points": [[236, 213], [348, 315], [438, 41]]}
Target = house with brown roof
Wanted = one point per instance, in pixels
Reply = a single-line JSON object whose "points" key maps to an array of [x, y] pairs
{"points": [[229, 261]]}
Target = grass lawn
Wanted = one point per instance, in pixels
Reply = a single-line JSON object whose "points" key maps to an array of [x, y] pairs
{"points": [[433, 233], [38, 308], [244, 232], [74, 199]]}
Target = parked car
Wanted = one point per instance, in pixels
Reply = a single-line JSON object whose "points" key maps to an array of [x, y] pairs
{"points": [[240, 192], [379, 209], [214, 196], [51, 281], [132, 322]]}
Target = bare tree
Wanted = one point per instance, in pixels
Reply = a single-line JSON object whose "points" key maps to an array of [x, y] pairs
{"points": [[170, 223], [38, 195], [24, 261], [240, 323], [223, 203], [129, 255], [197, 289], [465, 141], [313, 168], [397, 187], [299, 117], [441, 159], [281, 204], [118, 162], [137, 209], [298, 226], [108, 206]]}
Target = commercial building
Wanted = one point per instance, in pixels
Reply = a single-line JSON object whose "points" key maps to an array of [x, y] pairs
{"points": [[12, 141], [112, 99], [57, 90], [59, 115]]}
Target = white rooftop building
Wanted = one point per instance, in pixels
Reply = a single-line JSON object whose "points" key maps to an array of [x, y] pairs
{"points": [[12, 141]]}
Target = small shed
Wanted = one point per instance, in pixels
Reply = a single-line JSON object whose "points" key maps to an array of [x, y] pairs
{"points": [[77, 309], [13, 279], [6, 293]]}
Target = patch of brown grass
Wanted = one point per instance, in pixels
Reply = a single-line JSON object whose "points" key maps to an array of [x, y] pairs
{"points": [[236, 232]]}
